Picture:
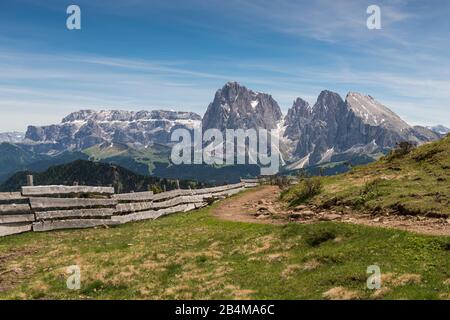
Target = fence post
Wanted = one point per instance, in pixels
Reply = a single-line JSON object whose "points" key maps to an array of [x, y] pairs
{"points": [[178, 184], [30, 181]]}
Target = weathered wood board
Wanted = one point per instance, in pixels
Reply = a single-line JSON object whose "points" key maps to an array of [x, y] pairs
{"points": [[14, 208], [14, 228], [180, 200], [153, 214], [40, 204], [122, 208], [227, 193], [184, 192], [38, 191], [78, 213], [7, 218], [135, 196], [251, 185], [12, 197], [250, 180], [71, 224]]}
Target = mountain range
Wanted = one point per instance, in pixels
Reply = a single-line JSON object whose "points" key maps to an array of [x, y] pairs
{"points": [[331, 130]]}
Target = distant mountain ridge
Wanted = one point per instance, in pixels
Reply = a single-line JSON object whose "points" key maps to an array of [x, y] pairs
{"points": [[440, 129], [86, 128], [12, 137], [331, 130], [94, 174]]}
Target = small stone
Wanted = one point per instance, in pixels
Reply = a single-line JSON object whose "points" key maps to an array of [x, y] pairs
{"points": [[330, 217], [378, 219], [300, 207]]}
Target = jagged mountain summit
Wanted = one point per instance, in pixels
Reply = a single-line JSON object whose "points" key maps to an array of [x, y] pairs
{"points": [[236, 107], [334, 128], [86, 128]]}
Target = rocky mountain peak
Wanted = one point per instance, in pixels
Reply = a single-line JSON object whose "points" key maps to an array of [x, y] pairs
{"points": [[301, 108], [235, 106], [328, 98], [374, 113]]}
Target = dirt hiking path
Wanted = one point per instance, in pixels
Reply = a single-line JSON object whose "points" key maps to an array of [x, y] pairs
{"points": [[261, 205]]}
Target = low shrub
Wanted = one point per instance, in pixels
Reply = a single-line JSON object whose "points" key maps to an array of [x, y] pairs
{"points": [[319, 236], [402, 148], [303, 191]]}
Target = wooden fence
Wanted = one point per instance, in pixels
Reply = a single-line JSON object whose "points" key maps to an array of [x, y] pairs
{"points": [[44, 208]]}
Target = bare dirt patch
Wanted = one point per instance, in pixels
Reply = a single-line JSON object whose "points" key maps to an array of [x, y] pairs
{"points": [[261, 205], [10, 273], [341, 293], [257, 206]]}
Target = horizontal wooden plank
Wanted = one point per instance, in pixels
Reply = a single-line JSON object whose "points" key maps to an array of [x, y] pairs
{"points": [[40, 204], [14, 208], [171, 194], [133, 207], [153, 214], [250, 180], [135, 196], [72, 224], [180, 200], [251, 185], [185, 192], [8, 197], [78, 213], [122, 208], [14, 228], [4, 218], [227, 193], [219, 188], [37, 191], [200, 205]]}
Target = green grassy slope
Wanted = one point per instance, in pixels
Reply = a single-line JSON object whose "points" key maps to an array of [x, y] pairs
{"points": [[14, 158], [416, 183], [141, 161], [197, 256]]}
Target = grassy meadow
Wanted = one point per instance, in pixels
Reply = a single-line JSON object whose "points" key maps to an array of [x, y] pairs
{"points": [[197, 256]]}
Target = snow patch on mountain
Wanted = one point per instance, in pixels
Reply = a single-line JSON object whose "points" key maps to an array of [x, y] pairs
{"points": [[374, 113], [439, 129], [12, 137]]}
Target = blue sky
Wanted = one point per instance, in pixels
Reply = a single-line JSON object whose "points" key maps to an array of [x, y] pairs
{"points": [[175, 54]]}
